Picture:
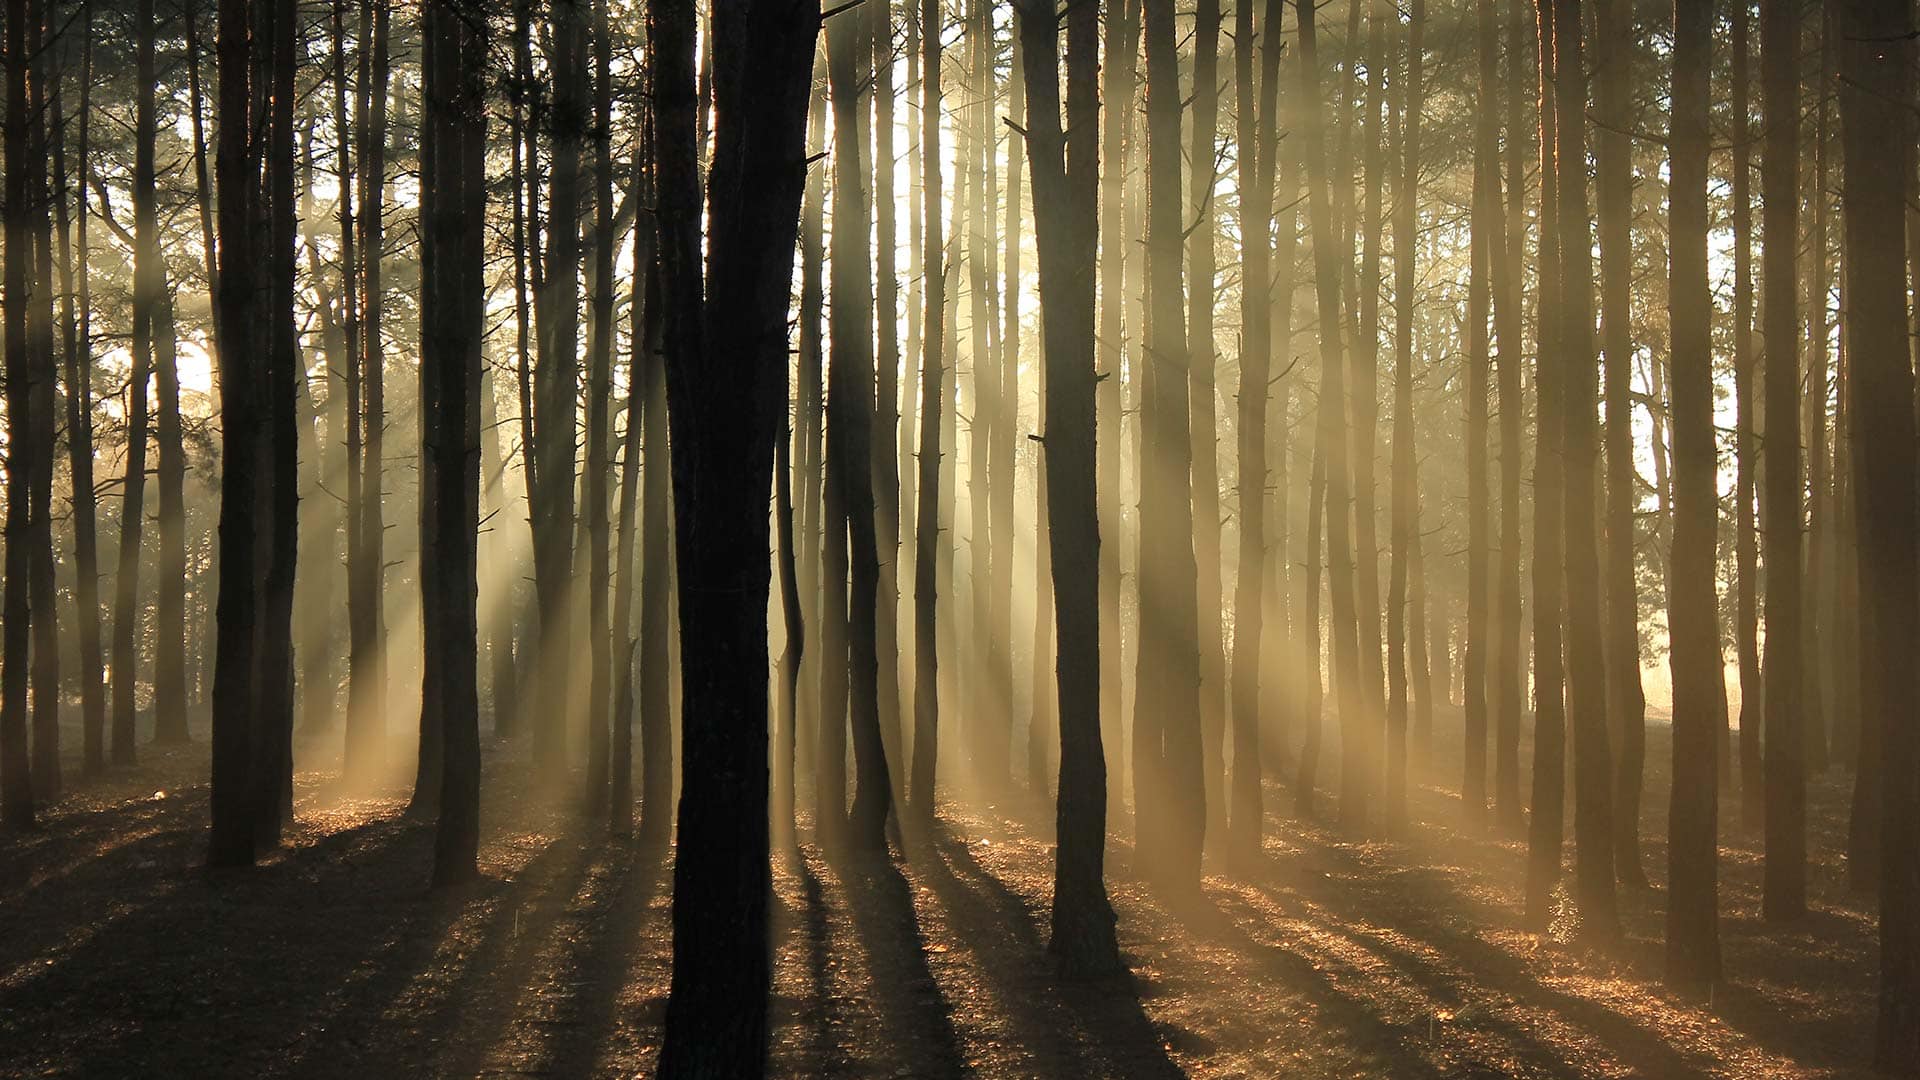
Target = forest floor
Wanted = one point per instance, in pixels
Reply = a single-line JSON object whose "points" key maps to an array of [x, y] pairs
{"points": [[120, 955]]}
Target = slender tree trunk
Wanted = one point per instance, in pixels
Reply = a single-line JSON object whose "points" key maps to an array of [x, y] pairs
{"points": [[886, 399], [1485, 237], [1169, 777], [556, 377], [642, 370], [149, 286], [1785, 887], [1405, 469], [1746, 450], [1504, 262], [1626, 702], [926, 577], [600, 335], [170, 609], [1203, 173], [810, 405], [657, 594], [1065, 193], [1122, 52], [1546, 825], [16, 771], [1693, 935], [1586, 666]]}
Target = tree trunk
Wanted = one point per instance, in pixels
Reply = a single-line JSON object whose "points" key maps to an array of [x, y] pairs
{"points": [[1065, 193], [452, 326], [1784, 895], [1169, 781], [1746, 450], [600, 335], [78, 352], [170, 609], [886, 398], [16, 771], [1693, 934], [926, 577], [232, 839], [1405, 470], [1485, 238], [726, 358], [1546, 825], [1877, 166], [1586, 666], [556, 376], [149, 286], [1626, 702], [1203, 173], [849, 430]]}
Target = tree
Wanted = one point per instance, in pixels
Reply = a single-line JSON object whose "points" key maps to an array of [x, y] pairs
{"points": [[1202, 174], [1693, 938], [232, 841], [1405, 478], [1065, 168], [16, 773], [1258, 136], [1169, 796], [726, 347], [452, 323], [1546, 826], [850, 406], [78, 352], [1746, 450], [600, 335], [149, 283], [1877, 164], [1485, 237], [926, 580], [1785, 881]]}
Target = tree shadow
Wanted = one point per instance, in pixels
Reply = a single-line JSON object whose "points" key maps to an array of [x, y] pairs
{"points": [[916, 1020], [1073, 1027]]}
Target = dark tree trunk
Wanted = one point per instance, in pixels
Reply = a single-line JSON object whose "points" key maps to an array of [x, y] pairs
{"points": [[556, 375], [886, 397], [1877, 163], [726, 360], [279, 439], [1784, 895], [170, 608], [642, 376], [926, 542], [1364, 404], [656, 596], [1065, 169], [452, 326], [600, 335], [849, 437], [233, 837], [1693, 934], [16, 771]]}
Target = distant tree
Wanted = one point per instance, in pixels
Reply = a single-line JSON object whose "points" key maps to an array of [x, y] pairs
{"points": [[1405, 499], [1746, 449], [600, 335]]}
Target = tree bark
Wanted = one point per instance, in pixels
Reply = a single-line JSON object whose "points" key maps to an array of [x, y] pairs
{"points": [[1405, 470], [926, 576]]}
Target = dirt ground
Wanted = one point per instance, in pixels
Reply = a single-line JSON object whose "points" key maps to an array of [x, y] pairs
{"points": [[120, 955]]}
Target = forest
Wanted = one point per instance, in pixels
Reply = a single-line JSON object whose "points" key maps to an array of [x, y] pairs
{"points": [[956, 538]]}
